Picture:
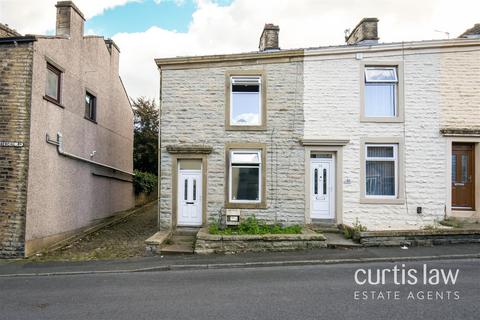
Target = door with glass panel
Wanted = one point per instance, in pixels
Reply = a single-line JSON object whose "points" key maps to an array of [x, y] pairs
{"points": [[189, 191], [463, 176], [322, 186]]}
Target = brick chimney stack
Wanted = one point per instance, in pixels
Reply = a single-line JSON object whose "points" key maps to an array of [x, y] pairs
{"points": [[69, 20], [269, 38], [364, 33]]}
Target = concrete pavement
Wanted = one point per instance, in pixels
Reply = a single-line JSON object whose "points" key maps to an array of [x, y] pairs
{"points": [[191, 262]]}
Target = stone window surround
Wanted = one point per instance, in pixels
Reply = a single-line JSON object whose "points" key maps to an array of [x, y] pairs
{"points": [[400, 199], [263, 197], [400, 91], [175, 160], [232, 73], [56, 66]]}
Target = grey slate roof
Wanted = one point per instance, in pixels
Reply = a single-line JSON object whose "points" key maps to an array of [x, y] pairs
{"points": [[475, 30]]}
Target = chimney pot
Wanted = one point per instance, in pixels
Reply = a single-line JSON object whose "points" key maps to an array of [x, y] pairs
{"points": [[69, 19], [269, 38], [366, 32]]}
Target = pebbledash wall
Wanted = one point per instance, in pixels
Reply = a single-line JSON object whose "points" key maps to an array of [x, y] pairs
{"points": [[49, 196], [441, 85], [15, 94], [193, 113]]}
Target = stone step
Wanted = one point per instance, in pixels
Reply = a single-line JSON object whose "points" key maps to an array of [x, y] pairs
{"points": [[335, 240], [325, 228], [183, 238], [177, 249], [186, 231]]}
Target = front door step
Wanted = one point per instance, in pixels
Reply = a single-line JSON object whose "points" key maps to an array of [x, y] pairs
{"points": [[181, 242], [337, 240], [324, 227]]}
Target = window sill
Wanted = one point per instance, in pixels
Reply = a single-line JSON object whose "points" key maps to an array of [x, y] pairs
{"points": [[235, 205], [91, 120], [55, 102], [382, 201], [245, 128], [382, 119]]}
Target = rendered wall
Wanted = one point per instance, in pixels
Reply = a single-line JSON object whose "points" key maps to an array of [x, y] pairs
{"points": [[63, 194]]}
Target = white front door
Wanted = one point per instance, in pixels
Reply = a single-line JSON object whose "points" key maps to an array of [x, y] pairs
{"points": [[189, 198], [322, 187]]}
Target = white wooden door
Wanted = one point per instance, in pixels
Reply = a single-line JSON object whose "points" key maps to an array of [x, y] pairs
{"points": [[189, 198], [322, 188]]}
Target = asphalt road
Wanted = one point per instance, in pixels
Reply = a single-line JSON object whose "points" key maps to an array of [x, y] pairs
{"points": [[307, 292]]}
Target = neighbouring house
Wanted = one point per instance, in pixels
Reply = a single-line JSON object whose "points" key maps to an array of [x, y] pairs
{"points": [[383, 134], [66, 134]]}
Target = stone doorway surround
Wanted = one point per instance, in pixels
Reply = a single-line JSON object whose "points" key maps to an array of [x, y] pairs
{"points": [[462, 136], [188, 152], [334, 146]]}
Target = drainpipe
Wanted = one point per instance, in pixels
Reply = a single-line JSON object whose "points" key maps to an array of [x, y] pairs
{"points": [[61, 151], [159, 149]]}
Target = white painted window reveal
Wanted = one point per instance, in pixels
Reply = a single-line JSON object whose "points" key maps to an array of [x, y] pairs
{"points": [[381, 170], [381, 86], [245, 176], [246, 100]]}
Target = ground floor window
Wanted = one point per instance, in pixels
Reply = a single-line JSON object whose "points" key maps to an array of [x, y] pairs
{"points": [[381, 163], [245, 176]]}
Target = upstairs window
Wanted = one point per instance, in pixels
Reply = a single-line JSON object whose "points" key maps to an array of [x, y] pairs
{"points": [[246, 101], [245, 176], [381, 92], [53, 89], [90, 107]]}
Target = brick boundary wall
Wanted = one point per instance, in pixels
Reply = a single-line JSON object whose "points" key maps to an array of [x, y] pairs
{"points": [[15, 100]]}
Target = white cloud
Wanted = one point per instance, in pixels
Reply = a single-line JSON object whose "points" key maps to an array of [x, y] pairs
{"points": [[38, 16], [237, 27]]}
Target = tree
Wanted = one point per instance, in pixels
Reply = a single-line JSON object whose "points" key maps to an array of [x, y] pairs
{"points": [[145, 141]]}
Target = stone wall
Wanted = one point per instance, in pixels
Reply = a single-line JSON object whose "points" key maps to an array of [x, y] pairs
{"points": [[15, 96], [193, 112], [459, 78], [441, 89], [207, 243]]}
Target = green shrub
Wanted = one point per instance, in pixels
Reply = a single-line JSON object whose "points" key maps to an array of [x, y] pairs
{"points": [[144, 182], [252, 225], [349, 232], [451, 222]]}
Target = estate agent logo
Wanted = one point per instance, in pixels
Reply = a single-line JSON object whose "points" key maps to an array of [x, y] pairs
{"points": [[426, 278]]}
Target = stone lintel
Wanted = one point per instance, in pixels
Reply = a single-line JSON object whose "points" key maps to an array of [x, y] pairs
{"points": [[189, 149], [458, 132]]}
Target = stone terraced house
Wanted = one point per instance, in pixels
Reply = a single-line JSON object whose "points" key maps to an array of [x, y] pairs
{"points": [[386, 134], [66, 134]]}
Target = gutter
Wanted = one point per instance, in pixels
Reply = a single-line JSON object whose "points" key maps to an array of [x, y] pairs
{"points": [[61, 151], [28, 38]]}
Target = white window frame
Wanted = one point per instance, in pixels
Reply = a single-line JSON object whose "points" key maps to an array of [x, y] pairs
{"points": [[247, 80], [230, 165], [394, 159], [395, 91]]}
